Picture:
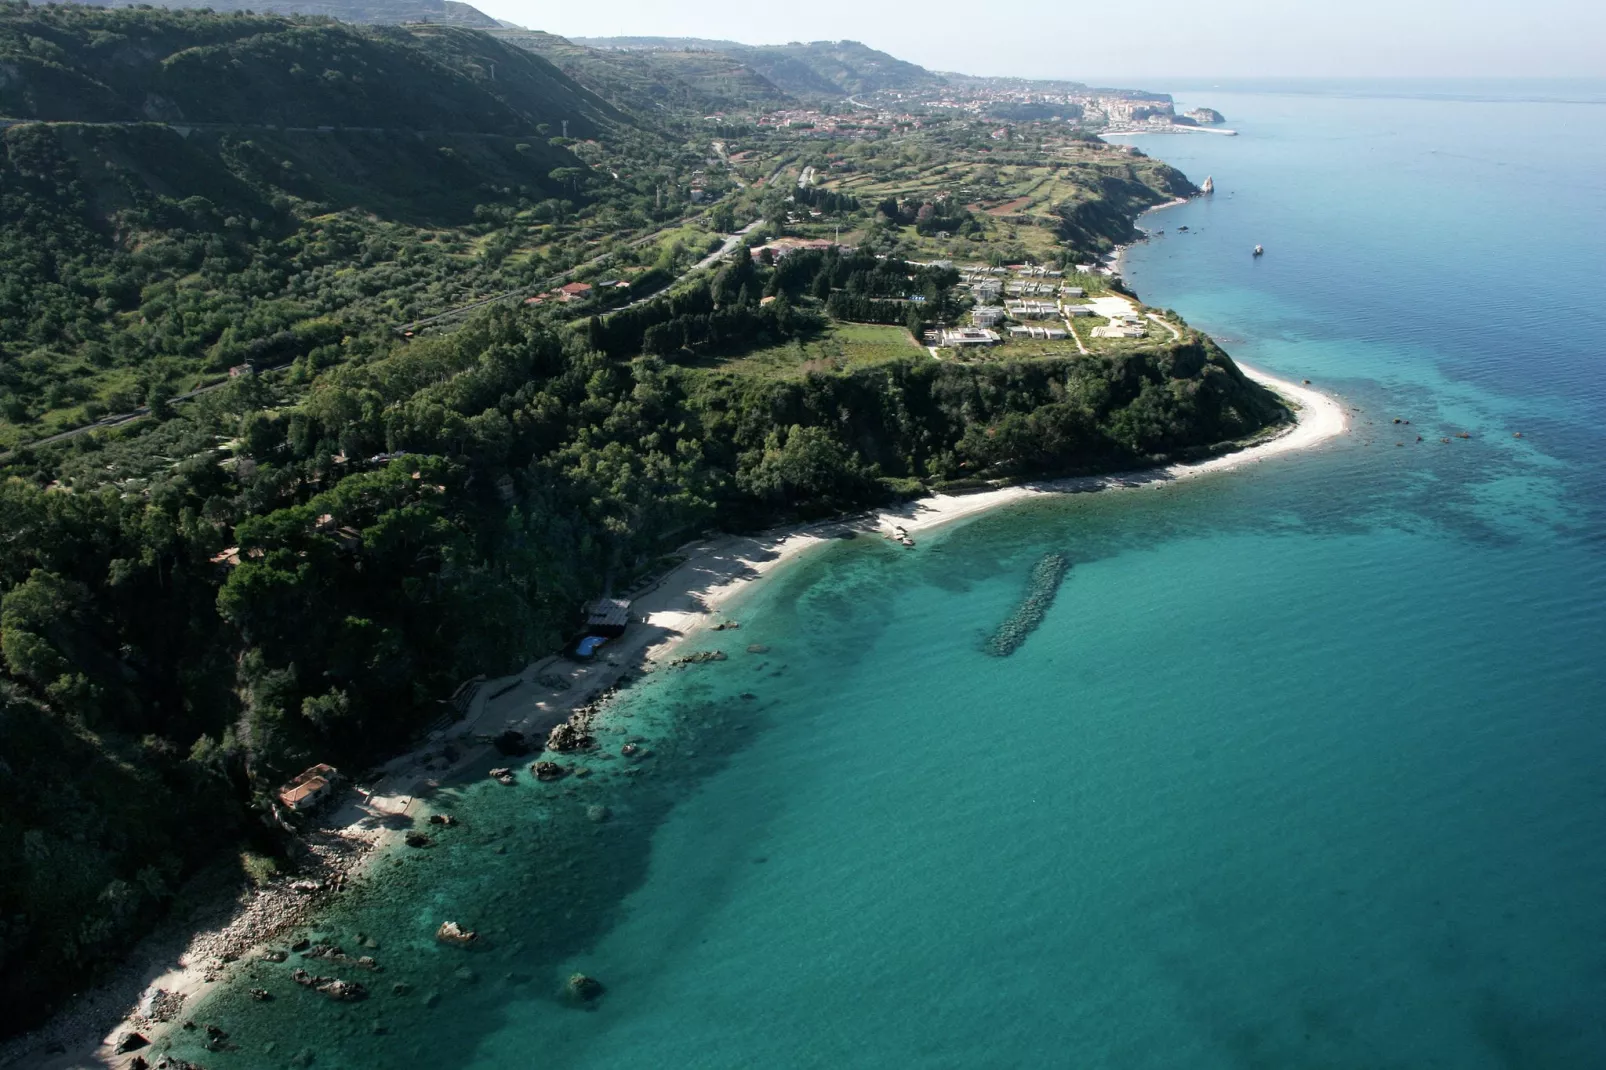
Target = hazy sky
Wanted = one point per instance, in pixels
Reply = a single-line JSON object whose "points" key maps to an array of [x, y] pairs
{"points": [[1146, 40]]}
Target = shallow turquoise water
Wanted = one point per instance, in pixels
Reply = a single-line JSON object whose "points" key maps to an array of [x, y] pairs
{"points": [[1304, 768]]}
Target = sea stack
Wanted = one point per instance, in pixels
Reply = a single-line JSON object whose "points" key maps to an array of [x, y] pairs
{"points": [[1209, 186]]}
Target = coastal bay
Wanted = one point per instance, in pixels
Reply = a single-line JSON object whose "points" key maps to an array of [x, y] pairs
{"points": [[1301, 767], [674, 614]]}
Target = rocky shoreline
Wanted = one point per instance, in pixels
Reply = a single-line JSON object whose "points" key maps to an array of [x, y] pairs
{"points": [[192, 950], [192, 953]]}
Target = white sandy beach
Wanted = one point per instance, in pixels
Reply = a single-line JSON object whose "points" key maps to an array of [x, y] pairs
{"points": [[684, 604]]}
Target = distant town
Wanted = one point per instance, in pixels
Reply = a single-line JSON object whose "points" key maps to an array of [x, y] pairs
{"points": [[1098, 111]]}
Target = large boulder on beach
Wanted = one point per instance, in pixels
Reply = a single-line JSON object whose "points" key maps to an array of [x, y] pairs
{"points": [[566, 737], [452, 933], [130, 1041]]}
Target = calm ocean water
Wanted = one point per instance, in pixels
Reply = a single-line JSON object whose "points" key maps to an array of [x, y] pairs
{"points": [[1305, 768]]}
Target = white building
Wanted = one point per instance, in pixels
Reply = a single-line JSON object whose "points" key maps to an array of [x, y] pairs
{"points": [[1049, 333], [1032, 310], [955, 337], [986, 315], [1071, 311]]}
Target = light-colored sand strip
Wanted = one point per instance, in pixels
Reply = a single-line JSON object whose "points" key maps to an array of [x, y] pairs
{"points": [[1318, 419]]}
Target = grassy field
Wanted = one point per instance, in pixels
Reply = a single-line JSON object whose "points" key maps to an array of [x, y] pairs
{"points": [[843, 346]]}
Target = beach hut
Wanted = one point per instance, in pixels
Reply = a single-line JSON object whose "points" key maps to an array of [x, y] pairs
{"points": [[310, 788], [608, 617]]}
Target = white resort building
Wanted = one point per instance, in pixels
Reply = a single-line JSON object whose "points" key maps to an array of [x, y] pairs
{"points": [[1032, 310], [956, 337]]}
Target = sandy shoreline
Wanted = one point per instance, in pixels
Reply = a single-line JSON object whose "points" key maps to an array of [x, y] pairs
{"points": [[677, 608]]}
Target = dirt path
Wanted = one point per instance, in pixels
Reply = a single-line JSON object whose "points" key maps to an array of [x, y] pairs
{"points": [[1070, 325], [1175, 334]]}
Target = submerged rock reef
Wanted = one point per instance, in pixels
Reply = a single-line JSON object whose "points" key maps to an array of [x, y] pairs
{"points": [[1041, 587]]}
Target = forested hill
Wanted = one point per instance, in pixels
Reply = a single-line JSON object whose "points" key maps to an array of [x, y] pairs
{"points": [[381, 12], [818, 69], [81, 64], [260, 508], [657, 82]]}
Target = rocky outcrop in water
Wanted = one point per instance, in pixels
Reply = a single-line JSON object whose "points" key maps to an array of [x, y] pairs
{"points": [[582, 989], [699, 658], [452, 933], [568, 736], [1041, 587], [548, 771], [332, 987]]}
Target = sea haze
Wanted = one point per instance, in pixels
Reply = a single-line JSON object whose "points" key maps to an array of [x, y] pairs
{"points": [[1306, 765]]}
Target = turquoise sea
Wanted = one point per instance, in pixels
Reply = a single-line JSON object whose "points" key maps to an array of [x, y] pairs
{"points": [[1306, 766]]}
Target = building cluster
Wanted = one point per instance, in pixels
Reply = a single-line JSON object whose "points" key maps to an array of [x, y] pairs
{"points": [[857, 125], [1094, 107], [576, 291], [1039, 305], [781, 248]]}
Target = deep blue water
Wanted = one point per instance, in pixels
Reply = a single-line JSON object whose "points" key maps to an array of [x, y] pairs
{"points": [[1306, 766]]}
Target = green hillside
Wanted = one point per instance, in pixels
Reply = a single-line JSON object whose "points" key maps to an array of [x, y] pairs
{"points": [[262, 505], [688, 80], [379, 12], [819, 69], [196, 183], [92, 65], [846, 67]]}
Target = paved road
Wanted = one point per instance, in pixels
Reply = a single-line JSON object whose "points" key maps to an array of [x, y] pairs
{"points": [[185, 129], [116, 421], [708, 261]]}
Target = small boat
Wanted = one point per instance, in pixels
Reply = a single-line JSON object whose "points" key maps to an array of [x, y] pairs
{"points": [[1260, 250]]}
